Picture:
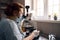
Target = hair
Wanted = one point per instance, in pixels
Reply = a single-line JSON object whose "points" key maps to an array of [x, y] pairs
{"points": [[12, 7], [0, 16]]}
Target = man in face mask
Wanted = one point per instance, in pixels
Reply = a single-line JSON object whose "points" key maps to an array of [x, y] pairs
{"points": [[20, 18], [9, 28]]}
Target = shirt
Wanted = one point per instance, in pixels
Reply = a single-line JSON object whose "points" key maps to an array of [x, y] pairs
{"points": [[19, 22], [9, 30]]}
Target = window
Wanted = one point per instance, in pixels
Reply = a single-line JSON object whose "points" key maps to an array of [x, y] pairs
{"points": [[44, 8], [53, 8], [40, 8], [37, 7], [28, 3]]}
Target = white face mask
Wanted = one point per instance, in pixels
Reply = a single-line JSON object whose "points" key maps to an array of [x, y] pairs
{"points": [[19, 19]]}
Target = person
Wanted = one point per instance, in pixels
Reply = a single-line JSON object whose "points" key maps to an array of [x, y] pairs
{"points": [[0, 16], [9, 28]]}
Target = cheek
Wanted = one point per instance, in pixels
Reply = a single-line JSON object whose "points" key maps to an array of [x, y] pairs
{"points": [[20, 13]]}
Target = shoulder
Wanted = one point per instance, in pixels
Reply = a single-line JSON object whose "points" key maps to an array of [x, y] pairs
{"points": [[4, 22], [7, 23]]}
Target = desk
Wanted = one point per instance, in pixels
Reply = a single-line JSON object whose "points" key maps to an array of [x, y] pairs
{"points": [[42, 38], [49, 27]]}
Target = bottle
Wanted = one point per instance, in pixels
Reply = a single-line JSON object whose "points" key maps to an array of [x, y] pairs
{"points": [[49, 17], [52, 37], [55, 16]]}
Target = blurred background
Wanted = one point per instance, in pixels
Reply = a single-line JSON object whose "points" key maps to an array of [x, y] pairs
{"points": [[45, 13]]}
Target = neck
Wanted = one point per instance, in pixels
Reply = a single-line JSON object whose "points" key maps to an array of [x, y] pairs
{"points": [[11, 17]]}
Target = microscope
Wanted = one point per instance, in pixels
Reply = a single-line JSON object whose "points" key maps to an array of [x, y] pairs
{"points": [[28, 26]]}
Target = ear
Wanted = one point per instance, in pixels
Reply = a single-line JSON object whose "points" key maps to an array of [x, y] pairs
{"points": [[16, 13]]}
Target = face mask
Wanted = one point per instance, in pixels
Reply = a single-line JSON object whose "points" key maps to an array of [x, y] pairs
{"points": [[19, 19]]}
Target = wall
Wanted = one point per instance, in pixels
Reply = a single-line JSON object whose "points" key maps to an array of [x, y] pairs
{"points": [[48, 27]]}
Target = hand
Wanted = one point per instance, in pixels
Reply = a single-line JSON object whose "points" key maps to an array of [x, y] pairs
{"points": [[35, 33]]}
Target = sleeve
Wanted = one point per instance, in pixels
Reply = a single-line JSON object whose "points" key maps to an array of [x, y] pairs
{"points": [[16, 31], [8, 33], [11, 31]]}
